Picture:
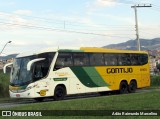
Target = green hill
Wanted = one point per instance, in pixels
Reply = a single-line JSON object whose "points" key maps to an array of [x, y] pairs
{"points": [[146, 44]]}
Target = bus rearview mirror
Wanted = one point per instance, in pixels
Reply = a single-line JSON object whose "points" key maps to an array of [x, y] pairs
{"points": [[5, 66]]}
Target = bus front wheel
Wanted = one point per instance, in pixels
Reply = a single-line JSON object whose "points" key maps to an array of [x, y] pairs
{"points": [[123, 87], [59, 93]]}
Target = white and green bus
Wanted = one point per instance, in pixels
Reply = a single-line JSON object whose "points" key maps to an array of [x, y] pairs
{"points": [[64, 72]]}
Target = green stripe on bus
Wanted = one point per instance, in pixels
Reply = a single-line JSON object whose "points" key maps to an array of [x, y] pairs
{"points": [[83, 77], [89, 76], [67, 50], [96, 78], [59, 79]]}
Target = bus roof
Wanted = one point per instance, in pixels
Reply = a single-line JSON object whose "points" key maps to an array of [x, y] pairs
{"points": [[82, 49], [95, 49]]}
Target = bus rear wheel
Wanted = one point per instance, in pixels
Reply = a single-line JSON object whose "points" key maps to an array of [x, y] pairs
{"points": [[132, 87], [59, 93], [123, 87]]}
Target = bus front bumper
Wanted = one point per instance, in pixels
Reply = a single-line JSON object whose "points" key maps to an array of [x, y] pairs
{"points": [[25, 94]]}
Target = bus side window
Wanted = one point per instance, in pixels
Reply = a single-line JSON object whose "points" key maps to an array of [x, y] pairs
{"points": [[96, 59], [63, 60], [41, 68], [80, 59], [143, 59], [124, 59], [110, 59], [38, 73], [135, 59], [107, 60]]}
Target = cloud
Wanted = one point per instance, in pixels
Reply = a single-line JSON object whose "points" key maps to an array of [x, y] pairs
{"points": [[120, 18], [105, 3], [14, 20], [98, 4], [23, 12]]}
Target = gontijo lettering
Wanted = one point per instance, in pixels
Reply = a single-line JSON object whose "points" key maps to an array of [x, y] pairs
{"points": [[119, 70]]}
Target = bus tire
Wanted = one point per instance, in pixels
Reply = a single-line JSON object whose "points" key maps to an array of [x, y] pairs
{"points": [[59, 92], [123, 87], [132, 87]]}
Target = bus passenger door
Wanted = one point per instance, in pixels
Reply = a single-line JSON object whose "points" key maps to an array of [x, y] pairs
{"points": [[75, 86]]}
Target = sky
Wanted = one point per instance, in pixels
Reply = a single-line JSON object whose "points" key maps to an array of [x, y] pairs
{"points": [[39, 24]]}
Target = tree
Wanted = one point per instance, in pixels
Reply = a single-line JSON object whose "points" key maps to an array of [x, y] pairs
{"points": [[158, 66]]}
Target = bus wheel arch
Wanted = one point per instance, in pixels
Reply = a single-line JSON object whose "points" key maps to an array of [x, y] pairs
{"points": [[132, 86], [60, 92], [123, 87]]}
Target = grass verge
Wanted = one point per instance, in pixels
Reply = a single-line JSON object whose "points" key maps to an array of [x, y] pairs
{"points": [[136, 101]]}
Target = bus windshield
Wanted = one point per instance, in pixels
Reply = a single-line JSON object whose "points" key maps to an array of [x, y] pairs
{"points": [[20, 76]]}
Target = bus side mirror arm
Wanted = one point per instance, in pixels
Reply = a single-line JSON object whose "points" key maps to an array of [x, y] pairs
{"points": [[5, 66], [32, 62]]}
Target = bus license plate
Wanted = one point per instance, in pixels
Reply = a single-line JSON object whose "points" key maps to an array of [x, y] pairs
{"points": [[17, 95]]}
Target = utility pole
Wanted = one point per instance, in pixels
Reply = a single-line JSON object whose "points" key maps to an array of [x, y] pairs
{"points": [[136, 20]]}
